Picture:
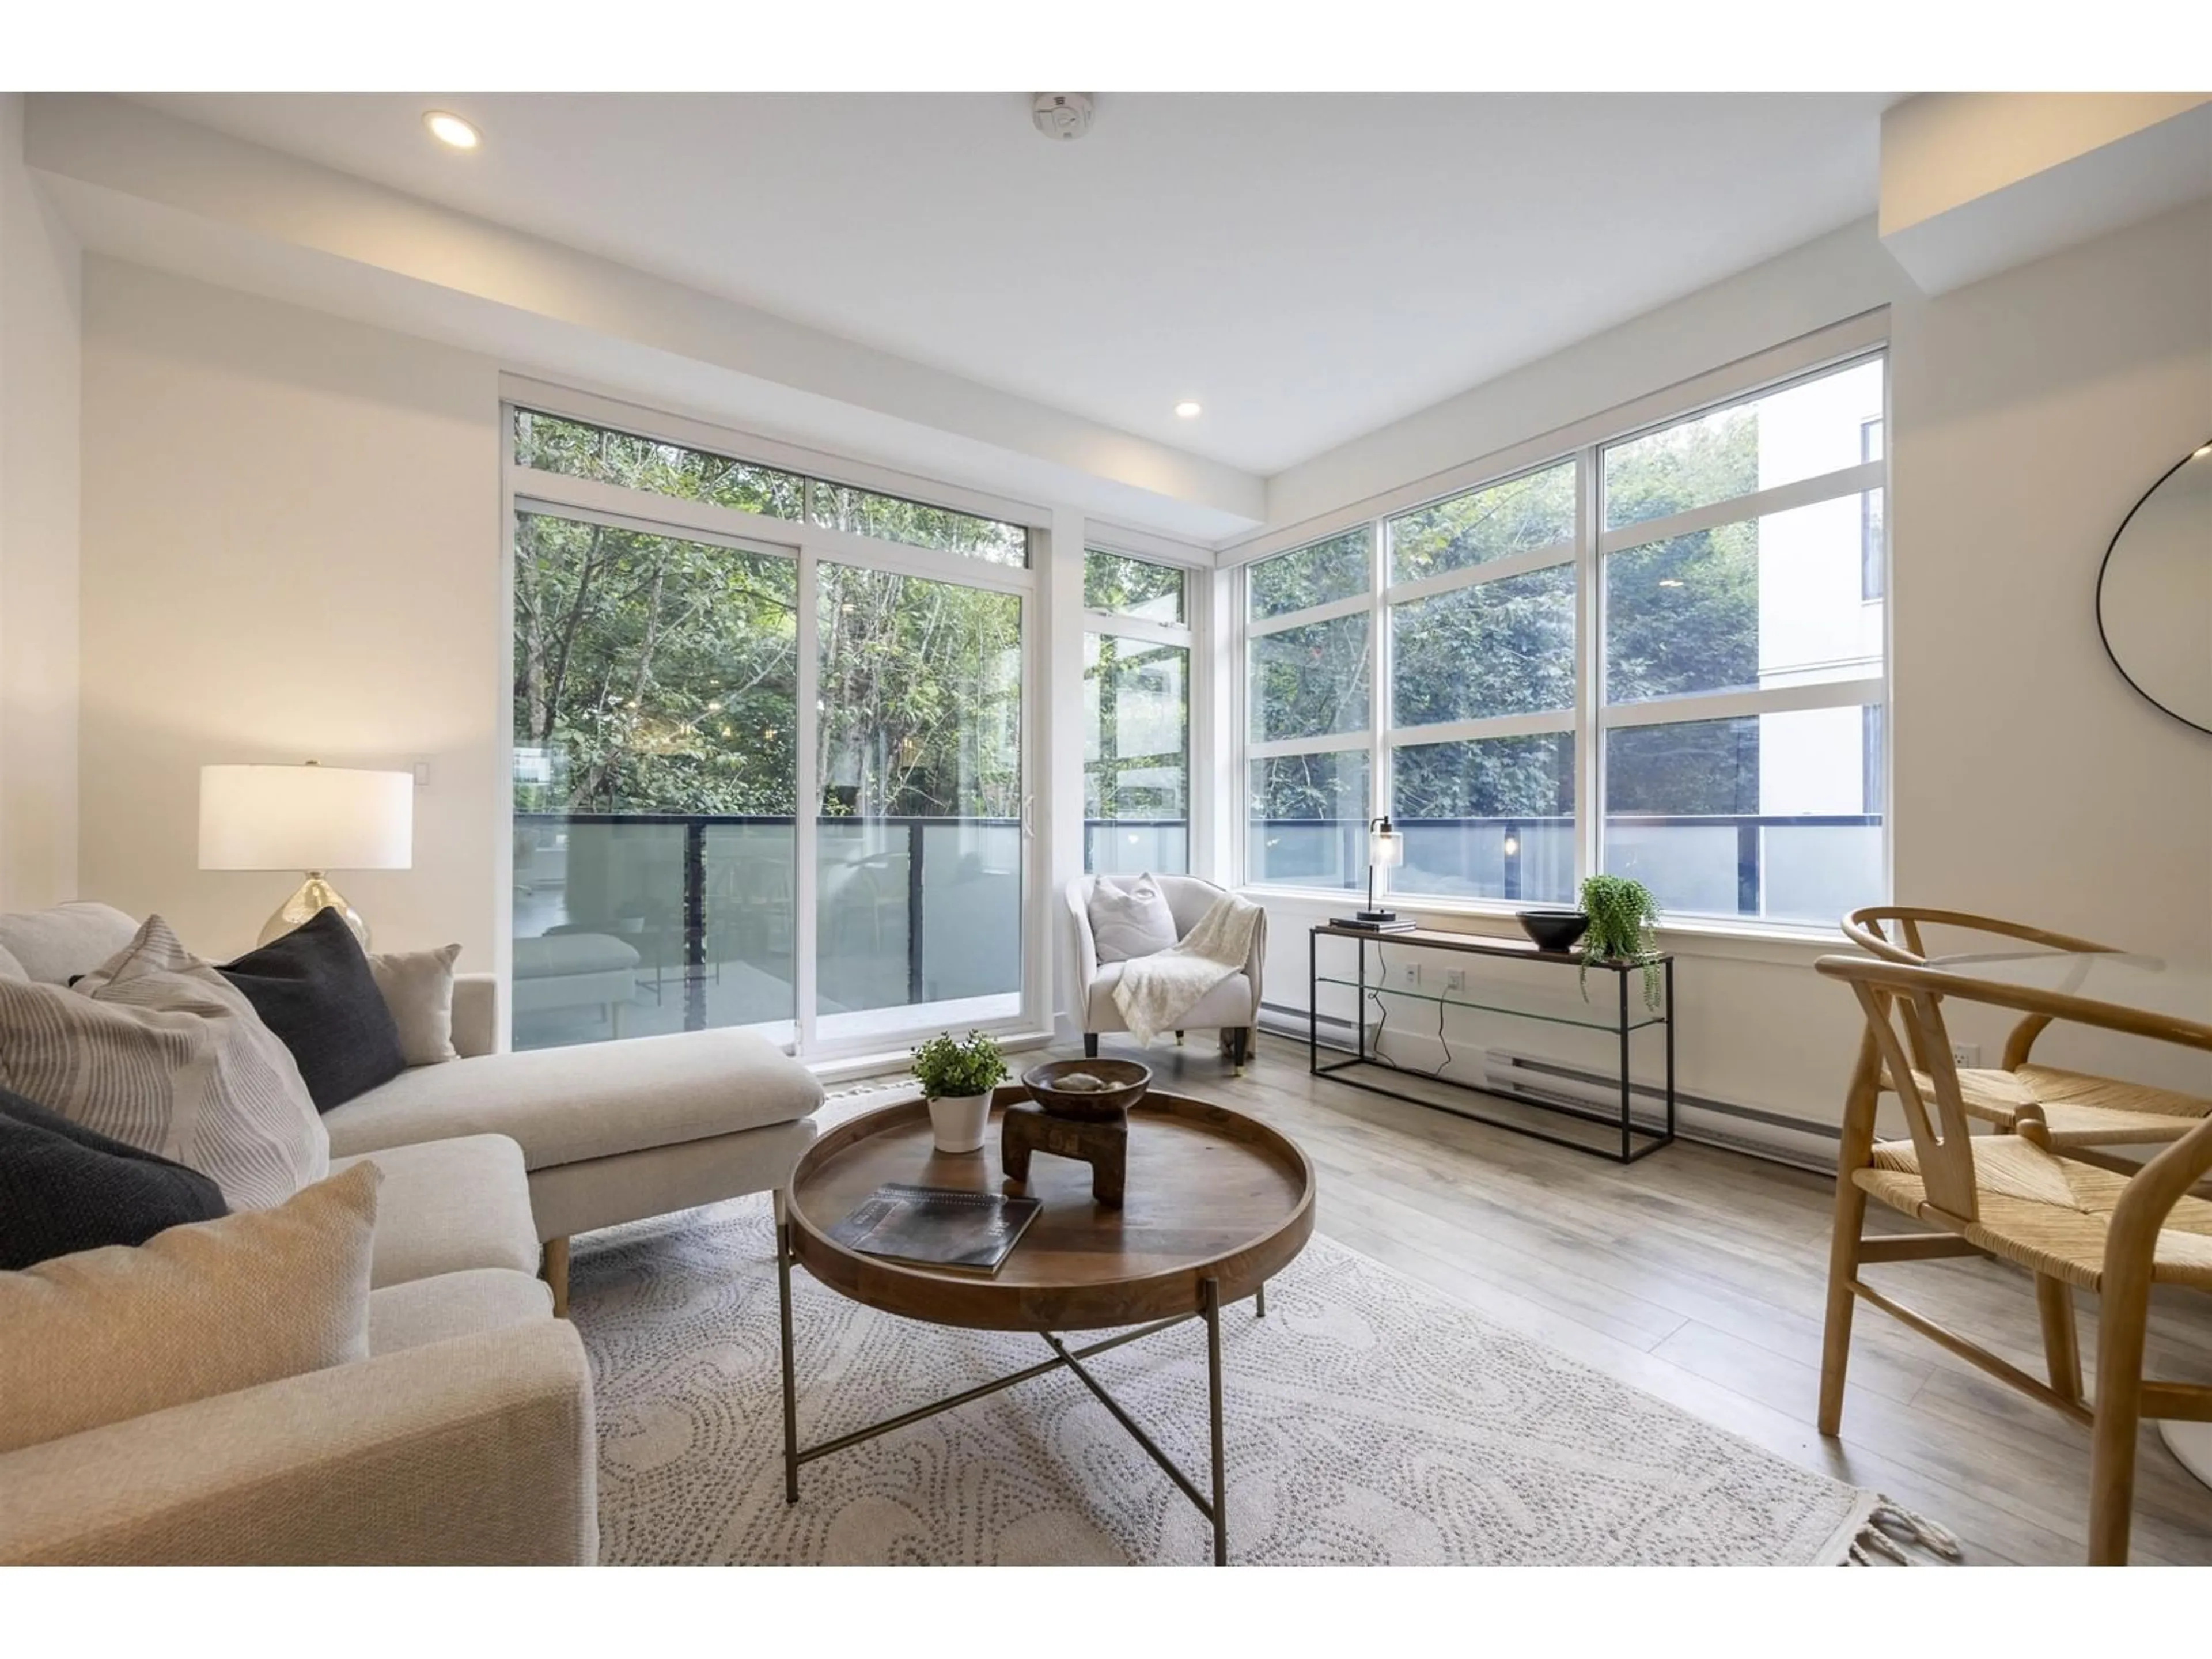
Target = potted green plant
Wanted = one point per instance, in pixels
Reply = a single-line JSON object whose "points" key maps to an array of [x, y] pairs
{"points": [[1622, 915], [956, 1077]]}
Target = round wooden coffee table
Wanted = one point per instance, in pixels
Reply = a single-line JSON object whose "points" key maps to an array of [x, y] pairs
{"points": [[1217, 1203]]}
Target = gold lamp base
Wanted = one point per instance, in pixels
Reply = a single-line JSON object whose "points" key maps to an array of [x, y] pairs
{"points": [[315, 895]]}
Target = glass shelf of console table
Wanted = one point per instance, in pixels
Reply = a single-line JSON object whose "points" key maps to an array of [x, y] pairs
{"points": [[1610, 1027], [1632, 1014]]}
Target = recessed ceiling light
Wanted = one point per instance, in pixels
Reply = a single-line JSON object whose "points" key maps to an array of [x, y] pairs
{"points": [[448, 129], [1189, 409]]}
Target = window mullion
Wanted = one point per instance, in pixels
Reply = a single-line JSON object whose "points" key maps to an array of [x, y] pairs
{"points": [[1379, 706], [805, 852], [1590, 663]]}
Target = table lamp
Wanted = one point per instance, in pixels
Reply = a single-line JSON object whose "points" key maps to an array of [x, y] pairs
{"points": [[311, 818], [1386, 850]]}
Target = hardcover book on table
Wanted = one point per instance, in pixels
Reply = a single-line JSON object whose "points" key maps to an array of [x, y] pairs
{"points": [[936, 1226]]}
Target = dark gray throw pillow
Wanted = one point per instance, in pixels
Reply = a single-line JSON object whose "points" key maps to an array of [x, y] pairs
{"points": [[314, 988], [65, 1187]]}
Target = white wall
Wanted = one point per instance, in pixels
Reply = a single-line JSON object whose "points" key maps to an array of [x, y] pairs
{"points": [[2032, 409], [2029, 411], [38, 456], [292, 550]]}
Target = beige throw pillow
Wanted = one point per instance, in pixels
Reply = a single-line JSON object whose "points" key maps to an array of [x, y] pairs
{"points": [[160, 1051], [196, 1311], [1130, 921], [418, 989]]}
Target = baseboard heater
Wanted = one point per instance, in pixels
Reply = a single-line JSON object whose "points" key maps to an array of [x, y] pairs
{"points": [[1514, 1076]]}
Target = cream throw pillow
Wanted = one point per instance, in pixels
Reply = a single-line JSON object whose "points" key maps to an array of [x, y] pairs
{"points": [[418, 989], [199, 1310], [160, 1051], [1130, 921]]}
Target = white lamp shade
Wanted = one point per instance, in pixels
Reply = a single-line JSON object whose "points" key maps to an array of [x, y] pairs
{"points": [[305, 818], [1386, 848]]}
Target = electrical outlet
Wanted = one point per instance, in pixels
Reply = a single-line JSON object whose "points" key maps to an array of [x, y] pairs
{"points": [[1967, 1055], [1409, 975], [1454, 979]]}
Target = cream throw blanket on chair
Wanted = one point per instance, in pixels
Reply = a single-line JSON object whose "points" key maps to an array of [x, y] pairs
{"points": [[1155, 992]]}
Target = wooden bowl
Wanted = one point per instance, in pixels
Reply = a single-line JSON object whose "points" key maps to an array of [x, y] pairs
{"points": [[1554, 930], [1109, 1105]]}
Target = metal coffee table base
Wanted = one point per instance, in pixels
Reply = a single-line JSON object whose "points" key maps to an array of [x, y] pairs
{"points": [[1215, 1508]]}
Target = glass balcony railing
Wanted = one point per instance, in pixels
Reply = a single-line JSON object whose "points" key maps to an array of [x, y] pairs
{"points": [[1793, 868], [630, 924]]}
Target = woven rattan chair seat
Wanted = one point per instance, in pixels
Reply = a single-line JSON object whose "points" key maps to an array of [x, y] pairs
{"points": [[2080, 1107], [2047, 1213]]}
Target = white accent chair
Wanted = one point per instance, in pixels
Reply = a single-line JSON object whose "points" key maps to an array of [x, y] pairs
{"points": [[1232, 1006]]}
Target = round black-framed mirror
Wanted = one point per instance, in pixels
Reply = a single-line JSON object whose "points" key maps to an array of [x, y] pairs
{"points": [[2154, 593]]}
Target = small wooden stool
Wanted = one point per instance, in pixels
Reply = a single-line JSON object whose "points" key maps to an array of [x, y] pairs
{"points": [[1103, 1146]]}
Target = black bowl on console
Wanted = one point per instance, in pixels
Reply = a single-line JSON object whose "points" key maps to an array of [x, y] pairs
{"points": [[1125, 1081], [1553, 929]]}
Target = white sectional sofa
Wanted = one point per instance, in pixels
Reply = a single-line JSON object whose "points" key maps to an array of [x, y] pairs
{"points": [[467, 1435]]}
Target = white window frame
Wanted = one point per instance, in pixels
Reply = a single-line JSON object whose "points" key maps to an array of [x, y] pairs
{"points": [[1829, 351], [1189, 633], [526, 489]]}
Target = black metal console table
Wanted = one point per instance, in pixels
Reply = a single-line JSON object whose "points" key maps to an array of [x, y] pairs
{"points": [[1636, 1139]]}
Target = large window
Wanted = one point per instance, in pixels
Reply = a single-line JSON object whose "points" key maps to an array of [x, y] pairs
{"points": [[1136, 715], [769, 751], [1309, 680], [656, 686], [1682, 680], [1482, 689], [1743, 645]]}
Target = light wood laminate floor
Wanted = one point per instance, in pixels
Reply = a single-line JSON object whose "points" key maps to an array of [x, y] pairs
{"points": [[1699, 1275]]}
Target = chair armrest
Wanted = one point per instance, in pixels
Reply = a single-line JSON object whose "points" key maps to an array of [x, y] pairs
{"points": [[1085, 950], [475, 1014], [2151, 1194], [475, 1450], [2021, 1040]]}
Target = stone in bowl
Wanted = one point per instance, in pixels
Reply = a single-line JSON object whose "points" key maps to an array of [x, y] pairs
{"points": [[1554, 930], [1088, 1090]]}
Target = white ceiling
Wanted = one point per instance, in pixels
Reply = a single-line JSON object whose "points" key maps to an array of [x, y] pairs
{"points": [[1309, 266]]}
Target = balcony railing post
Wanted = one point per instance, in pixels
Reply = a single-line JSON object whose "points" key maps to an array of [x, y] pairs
{"points": [[1747, 867], [695, 924], [914, 844]]}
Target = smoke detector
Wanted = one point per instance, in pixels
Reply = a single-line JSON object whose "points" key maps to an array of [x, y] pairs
{"points": [[1061, 114]]}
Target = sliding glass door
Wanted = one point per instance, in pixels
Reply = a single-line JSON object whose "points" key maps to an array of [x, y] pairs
{"points": [[918, 848], [655, 783], [768, 771]]}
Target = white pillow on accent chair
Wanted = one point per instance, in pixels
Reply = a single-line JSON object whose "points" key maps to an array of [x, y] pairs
{"points": [[1130, 921]]}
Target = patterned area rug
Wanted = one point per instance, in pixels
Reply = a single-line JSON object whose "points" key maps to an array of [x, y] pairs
{"points": [[1369, 1420]]}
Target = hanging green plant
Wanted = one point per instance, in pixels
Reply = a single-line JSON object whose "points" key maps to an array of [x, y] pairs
{"points": [[1622, 915]]}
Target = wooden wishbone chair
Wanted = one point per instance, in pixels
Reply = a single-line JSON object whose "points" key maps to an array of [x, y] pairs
{"points": [[2079, 1108], [2015, 1199]]}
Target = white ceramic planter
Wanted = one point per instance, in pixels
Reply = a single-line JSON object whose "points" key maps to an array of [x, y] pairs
{"points": [[958, 1121]]}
